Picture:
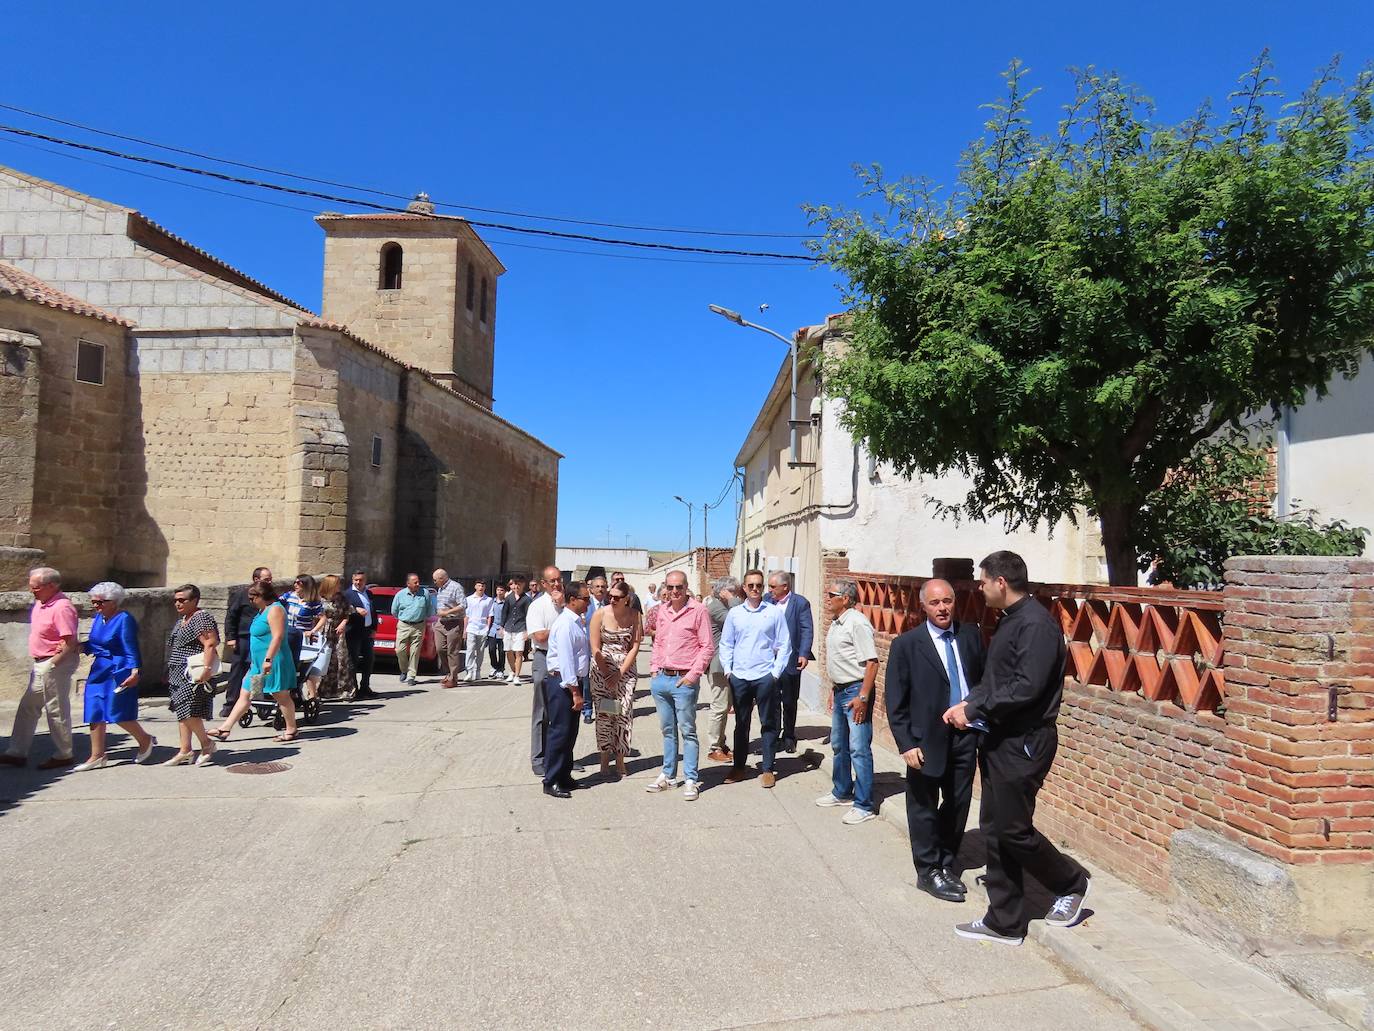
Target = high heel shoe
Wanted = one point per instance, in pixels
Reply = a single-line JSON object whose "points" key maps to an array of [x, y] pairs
{"points": [[91, 764], [147, 753], [180, 759], [206, 757]]}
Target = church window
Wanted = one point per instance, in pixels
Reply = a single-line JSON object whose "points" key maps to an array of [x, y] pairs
{"points": [[376, 450], [391, 267], [483, 314], [472, 285], [90, 363]]}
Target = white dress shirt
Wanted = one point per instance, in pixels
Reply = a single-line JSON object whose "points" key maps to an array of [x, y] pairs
{"points": [[570, 650], [479, 607], [368, 619], [938, 636], [754, 642], [543, 612]]}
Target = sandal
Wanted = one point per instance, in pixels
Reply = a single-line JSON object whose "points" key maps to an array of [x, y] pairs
{"points": [[287, 736], [218, 735]]}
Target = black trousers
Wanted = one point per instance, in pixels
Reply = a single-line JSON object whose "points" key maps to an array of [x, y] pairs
{"points": [[360, 650], [937, 807], [539, 720], [1013, 768], [789, 690], [497, 654], [562, 736], [747, 694], [238, 669]]}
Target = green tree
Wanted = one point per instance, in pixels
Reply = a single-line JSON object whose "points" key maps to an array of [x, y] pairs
{"points": [[1217, 504], [1088, 304]]}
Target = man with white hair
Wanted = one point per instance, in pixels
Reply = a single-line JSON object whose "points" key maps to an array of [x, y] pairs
{"points": [[54, 653], [450, 604]]}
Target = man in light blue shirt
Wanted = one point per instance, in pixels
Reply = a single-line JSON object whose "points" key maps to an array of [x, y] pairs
{"points": [[412, 609], [569, 658], [754, 649]]}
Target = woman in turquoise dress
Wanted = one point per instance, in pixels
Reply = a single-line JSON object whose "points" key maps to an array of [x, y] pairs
{"points": [[271, 663], [111, 691]]}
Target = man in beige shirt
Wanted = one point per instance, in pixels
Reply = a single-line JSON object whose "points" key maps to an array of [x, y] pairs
{"points": [[851, 660]]}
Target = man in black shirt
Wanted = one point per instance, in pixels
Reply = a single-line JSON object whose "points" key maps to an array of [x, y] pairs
{"points": [[237, 621], [1018, 698]]}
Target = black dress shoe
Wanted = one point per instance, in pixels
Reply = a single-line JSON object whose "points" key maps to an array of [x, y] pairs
{"points": [[959, 885], [574, 785], [557, 792], [934, 882]]}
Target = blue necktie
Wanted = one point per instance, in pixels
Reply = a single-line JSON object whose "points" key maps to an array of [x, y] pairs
{"points": [[953, 666]]}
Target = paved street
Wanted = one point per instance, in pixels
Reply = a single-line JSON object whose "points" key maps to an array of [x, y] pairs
{"points": [[407, 872]]}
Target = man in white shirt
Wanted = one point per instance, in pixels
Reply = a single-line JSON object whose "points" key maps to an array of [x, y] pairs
{"points": [[567, 663], [538, 623], [754, 649], [481, 608]]}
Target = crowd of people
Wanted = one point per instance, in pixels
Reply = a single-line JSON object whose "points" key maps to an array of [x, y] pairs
{"points": [[953, 706]]}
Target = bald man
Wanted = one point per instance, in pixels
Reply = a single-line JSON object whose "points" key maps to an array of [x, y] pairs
{"points": [[929, 668]]}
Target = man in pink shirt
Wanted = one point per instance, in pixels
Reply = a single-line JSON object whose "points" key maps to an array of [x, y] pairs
{"points": [[54, 651], [682, 649]]}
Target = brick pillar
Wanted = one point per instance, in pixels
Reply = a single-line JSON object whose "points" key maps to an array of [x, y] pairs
{"points": [[1299, 670]]}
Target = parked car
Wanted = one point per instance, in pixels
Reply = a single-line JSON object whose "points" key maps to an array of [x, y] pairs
{"points": [[384, 644]]}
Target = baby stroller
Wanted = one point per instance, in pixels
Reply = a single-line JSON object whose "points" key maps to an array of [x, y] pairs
{"points": [[265, 707]]}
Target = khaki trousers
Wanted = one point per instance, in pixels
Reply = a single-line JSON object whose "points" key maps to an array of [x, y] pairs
{"points": [[49, 693], [719, 685], [448, 640], [409, 637]]}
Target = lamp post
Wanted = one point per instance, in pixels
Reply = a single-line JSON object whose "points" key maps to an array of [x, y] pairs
{"points": [[678, 497], [792, 421]]}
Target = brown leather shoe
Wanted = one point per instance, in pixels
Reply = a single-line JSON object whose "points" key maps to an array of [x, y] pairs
{"points": [[766, 779], [56, 764], [12, 760], [734, 776], [720, 755]]}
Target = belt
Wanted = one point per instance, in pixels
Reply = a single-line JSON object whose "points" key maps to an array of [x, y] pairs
{"points": [[413, 622], [672, 672], [847, 684]]}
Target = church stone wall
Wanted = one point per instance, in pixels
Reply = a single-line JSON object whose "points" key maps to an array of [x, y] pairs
{"points": [[73, 481], [206, 458]]}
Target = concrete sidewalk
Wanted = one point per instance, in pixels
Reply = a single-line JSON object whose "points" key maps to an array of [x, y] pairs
{"points": [[1127, 947]]}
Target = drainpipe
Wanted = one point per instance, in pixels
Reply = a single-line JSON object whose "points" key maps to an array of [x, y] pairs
{"points": [[1283, 477]]}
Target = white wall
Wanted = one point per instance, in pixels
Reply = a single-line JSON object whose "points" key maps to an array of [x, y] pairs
{"points": [[1330, 464], [569, 558]]}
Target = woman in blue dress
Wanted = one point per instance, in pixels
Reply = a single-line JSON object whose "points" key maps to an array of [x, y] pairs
{"points": [[112, 685], [271, 662]]}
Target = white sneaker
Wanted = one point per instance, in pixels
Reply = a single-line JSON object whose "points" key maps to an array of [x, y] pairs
{"points": [[91, 764], [661, 783], [147, 753], [829, 799], [857, 816], [692, 790]]}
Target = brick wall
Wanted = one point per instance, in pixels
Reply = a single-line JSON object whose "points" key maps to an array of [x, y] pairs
{"points": [[1268, 769]]}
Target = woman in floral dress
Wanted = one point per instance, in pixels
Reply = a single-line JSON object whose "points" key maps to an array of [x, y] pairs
{"points": [[616, 634], [337, 680]]}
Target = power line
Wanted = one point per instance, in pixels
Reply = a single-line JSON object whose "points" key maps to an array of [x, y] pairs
{"points": [[357, 202], [395, 196]]}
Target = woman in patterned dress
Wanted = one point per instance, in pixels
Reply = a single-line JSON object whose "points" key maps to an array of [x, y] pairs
{"points": [[616, 634], [194, 633], [338, 680]]}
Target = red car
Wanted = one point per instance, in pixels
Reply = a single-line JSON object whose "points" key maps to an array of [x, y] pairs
{"points": [[384, 644]]}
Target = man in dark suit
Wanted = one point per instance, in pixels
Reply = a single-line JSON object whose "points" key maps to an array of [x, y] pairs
{"points": [[801, 628], [361, 633], [1019, 698], [237, 621], [930, 668]]}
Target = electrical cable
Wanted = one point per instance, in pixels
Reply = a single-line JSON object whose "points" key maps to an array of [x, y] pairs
{"points": [[373, 205], [385, 193]]}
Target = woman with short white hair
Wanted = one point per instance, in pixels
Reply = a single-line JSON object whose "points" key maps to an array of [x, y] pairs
{"points": [[112, 686]]}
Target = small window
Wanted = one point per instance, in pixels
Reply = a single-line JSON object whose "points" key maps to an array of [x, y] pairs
{"points": [[376, 451], [472, 285], [483, 315], [90, 363], [391, 267]]}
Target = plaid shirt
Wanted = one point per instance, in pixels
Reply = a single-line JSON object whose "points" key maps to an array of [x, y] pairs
{"points": [[449, 595]]}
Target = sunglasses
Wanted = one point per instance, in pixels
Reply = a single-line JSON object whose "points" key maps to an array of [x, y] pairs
{"points": [[98, 602], [675, 587], [751, 585], [180, 601], [619, 597]]}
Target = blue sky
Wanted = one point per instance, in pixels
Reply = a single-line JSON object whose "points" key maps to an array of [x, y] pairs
{"points": [[703, 116]]}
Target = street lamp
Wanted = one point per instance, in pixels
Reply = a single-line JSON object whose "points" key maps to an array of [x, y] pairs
{"points": [[678, 497], [792, 421]]}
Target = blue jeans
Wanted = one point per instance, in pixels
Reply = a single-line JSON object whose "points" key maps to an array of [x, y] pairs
{"points": [[677, 713], [853, 743]]}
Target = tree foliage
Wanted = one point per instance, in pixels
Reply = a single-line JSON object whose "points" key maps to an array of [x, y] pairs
{"points": [[1087, 305], [1217, 504]]}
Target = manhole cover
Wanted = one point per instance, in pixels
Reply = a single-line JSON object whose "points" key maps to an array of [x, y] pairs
{"points": [[272, 767]]}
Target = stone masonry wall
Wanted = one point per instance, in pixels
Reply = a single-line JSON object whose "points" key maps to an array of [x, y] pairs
{"points": [[19, 388], [75, 473]]}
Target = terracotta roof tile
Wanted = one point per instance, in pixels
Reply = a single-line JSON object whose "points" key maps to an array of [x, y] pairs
{"points": [[18, 283]]}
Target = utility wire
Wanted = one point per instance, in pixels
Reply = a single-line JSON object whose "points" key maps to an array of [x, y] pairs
{"points": [[357, 202], [383, 193]]}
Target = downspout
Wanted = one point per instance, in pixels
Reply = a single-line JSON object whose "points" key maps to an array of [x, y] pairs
{"points": [[1283, 473]]}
